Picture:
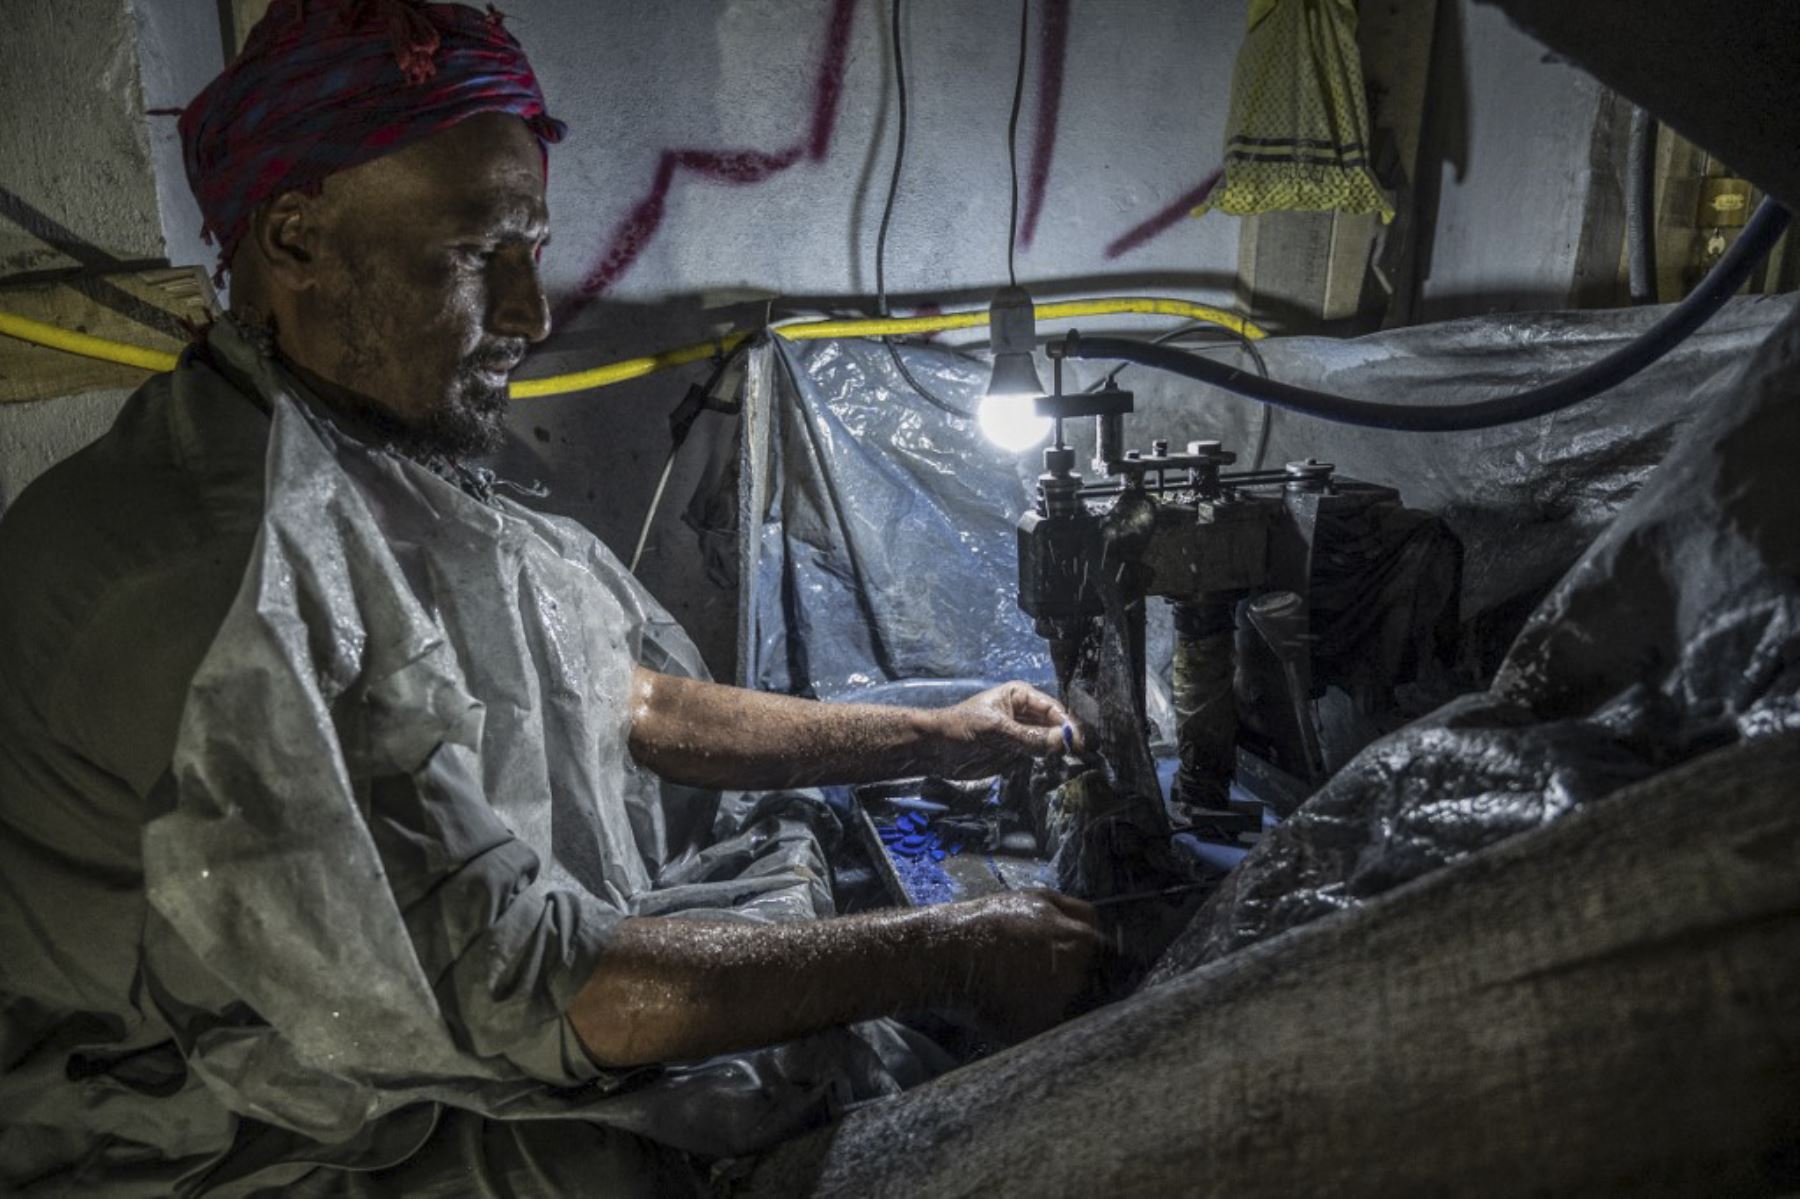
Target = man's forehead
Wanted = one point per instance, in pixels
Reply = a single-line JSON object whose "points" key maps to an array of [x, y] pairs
{"points": [[485, 172]]}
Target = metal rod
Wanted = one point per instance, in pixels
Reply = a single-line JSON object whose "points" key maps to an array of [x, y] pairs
{"points": [[1162, 893]]}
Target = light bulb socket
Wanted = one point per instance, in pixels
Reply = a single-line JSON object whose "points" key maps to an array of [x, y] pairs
{"points": [[1012, 330]]}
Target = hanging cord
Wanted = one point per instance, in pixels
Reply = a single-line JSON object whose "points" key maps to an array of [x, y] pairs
{"points": [[1012, 160], [681, 423], [887, 215], [887, 211], [1012, 143]]}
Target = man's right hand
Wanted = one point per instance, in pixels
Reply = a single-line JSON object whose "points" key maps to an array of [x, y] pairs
{"points": [[1033, 953], [674, 989]]}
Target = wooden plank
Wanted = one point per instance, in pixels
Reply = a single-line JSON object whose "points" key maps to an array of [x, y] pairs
{"points": [[30, 372], [1396, 38]]}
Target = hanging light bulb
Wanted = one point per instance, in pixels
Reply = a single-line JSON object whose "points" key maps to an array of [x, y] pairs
{"points": [[1008, 414]]}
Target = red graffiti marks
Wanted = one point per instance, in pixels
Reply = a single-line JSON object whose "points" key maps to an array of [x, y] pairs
{"points": [[1140, 233], [1053, 48], [739, 166]]}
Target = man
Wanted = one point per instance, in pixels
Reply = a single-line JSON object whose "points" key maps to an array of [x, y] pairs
{"points": [[332, 850]]}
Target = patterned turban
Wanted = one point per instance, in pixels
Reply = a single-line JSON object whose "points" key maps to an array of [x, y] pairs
{"points": [[323, 85]]}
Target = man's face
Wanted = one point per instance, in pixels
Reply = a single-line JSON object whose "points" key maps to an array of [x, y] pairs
{"points": [[424, 291]]}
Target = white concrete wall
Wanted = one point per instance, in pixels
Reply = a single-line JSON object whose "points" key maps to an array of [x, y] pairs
{"points": [[1141, 121], [74, 148], [1145, 89]]}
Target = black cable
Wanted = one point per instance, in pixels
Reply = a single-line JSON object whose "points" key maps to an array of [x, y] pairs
{"points": [[887, 215], [1265, 425], [1640, 206], [1012, 143], [935, 401], [1243, 339], [1721, 283], [887, 211]]}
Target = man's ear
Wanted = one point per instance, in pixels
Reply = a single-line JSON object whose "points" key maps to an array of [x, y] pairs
{"points": [[286, 233]]}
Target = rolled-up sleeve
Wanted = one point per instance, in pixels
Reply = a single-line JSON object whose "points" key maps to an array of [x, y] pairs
{"points": [[505, 952]]}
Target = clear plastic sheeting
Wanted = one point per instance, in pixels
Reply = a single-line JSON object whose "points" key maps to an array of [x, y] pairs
{"points": [[881, 548], [887, 553], [1524, 499], [1678, 631], [403, 821]]}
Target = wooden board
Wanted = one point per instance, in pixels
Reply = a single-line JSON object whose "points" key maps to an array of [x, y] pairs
{"points": [[116, 307]]}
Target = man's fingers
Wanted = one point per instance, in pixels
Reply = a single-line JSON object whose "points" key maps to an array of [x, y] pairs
{"points": [[1032, 706], [1068, 905], [1036, 740]]}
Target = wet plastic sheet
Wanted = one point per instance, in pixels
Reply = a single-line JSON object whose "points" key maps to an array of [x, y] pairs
{"points": [[394, 624], [887, 549], [1525, 499], [1678, 631], [882, 557]]}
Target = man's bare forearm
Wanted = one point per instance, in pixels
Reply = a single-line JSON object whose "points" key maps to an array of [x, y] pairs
{"points": [[710, 735], [670, 989]]}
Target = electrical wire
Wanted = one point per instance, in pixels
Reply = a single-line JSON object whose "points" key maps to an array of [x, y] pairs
{"points": [[1012, 143], [1266, 421], [936, 401], [677, 439], [887, 215], [655, 502], [1262, 367], [1721, 283], [887, 210]]}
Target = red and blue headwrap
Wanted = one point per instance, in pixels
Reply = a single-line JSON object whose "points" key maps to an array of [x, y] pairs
{"points": [[323, 85]]}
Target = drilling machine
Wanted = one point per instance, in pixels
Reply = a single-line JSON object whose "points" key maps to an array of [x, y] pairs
{"points": [[1236, 555]]}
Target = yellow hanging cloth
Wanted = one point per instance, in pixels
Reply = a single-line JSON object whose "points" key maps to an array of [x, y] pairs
{"points": [[1298, 137]]}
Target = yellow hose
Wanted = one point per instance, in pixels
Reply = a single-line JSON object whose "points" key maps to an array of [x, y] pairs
{"points": [[57, 338], [632, 368]]}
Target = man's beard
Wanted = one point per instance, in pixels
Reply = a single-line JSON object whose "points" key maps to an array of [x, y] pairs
{"points": [[470, 423]]}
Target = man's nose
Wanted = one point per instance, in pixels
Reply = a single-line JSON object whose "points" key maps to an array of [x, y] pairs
{"points": [[520, 308]]}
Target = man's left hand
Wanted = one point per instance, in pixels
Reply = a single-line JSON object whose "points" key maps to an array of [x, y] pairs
{"points": [[986, 733]]}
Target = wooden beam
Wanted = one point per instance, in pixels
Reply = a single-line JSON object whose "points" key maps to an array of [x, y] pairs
{"points": [[30, 372]]}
